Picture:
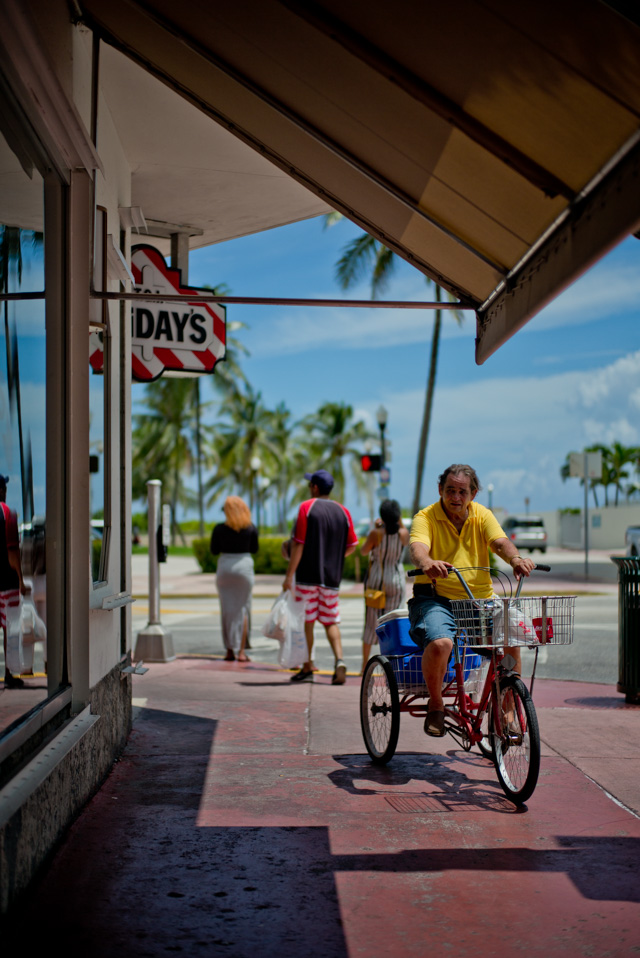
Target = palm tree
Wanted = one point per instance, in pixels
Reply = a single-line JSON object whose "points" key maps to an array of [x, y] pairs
{"points": [[291, 460], [162, 442], [331, 435], [358, 256], [619, 457], [226, 379], [242, 437], [614, 459], [12, 240]]}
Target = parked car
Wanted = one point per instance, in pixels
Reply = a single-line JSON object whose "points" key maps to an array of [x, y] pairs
{"points": [[526, 532], [632, 540], [364, 526]]}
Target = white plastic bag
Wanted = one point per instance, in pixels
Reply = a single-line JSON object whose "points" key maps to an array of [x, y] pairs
{"points": [[521, 629], [33, 630], [274, 627], [293, 651], [16, 662]]}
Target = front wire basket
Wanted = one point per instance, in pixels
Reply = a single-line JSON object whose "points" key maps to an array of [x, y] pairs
{"points": [[530, 621]]}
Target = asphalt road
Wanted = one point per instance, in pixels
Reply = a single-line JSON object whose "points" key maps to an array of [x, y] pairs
{"points": [[593, 657]]}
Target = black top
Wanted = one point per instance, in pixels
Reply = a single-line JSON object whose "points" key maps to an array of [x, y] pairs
{"points": [[324, 529], [226, 539]]}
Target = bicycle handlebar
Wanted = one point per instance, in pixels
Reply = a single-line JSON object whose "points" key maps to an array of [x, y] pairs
{"points": [[537, 568]]}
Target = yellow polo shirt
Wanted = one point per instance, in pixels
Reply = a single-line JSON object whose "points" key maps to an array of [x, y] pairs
{"points": [[470, 547]]}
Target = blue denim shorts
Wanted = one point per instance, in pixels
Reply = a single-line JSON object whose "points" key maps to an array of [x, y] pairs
{"points": [[430, 618]]}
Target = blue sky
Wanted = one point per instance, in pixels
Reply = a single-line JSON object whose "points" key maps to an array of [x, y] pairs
{"points": [[571, 377]]}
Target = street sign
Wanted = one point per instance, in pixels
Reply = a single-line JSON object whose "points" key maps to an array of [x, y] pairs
{"points": [[385, 475], [593, 464], [184, 338]]}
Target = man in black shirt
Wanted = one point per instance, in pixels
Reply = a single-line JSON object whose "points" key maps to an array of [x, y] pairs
{"points": [[322, 537]]}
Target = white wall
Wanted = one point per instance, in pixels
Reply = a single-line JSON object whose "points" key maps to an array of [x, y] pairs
{"points": [[606, 527]]}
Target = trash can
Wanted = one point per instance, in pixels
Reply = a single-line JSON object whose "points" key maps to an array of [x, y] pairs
{"points": [[628, 626]]}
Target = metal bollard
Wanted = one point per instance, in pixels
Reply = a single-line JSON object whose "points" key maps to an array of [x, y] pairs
{"points": [[153, 644]]}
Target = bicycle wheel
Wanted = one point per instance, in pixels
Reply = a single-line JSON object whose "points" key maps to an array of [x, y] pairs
{"points": [[485, 744], [379, 710], [516, 752]]}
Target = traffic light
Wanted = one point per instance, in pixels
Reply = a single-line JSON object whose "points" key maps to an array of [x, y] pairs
{"points": [[370, 463]]}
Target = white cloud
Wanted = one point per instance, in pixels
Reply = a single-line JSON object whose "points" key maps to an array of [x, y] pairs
{"points": [[516, 431], [313, 328], [606, 290]]}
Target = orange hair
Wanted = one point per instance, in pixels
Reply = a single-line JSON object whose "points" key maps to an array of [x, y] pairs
{"points": [[237, 513]]}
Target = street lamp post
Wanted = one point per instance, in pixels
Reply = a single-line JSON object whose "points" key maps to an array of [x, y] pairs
{"points": [[256, 464], [381, 416], [490, 491]]}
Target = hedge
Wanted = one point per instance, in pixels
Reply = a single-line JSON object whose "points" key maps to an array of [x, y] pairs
{"points": [[268, 559]]}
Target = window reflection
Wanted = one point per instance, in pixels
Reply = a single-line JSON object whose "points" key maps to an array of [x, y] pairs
{"points": [[23, 424], [97, 353], [98, 377]]}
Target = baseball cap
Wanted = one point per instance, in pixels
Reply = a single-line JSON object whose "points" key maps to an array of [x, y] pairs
{"points": [[322, 479], [4, 479]]}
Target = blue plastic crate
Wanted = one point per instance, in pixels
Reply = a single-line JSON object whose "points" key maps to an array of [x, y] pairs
{"points": [[394, 638], [393, 634]]}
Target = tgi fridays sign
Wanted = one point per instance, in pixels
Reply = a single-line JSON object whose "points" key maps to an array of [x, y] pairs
{"points": [[169, 336]]}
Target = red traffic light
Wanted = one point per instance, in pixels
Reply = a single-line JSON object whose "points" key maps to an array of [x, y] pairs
{"points": [[371, 463]]}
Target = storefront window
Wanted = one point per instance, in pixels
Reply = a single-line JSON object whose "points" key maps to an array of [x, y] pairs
{"points": [[22, 419], [98, 399]]}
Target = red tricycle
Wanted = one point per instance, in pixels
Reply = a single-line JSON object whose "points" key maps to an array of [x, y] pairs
{"points": [[486, 703]]}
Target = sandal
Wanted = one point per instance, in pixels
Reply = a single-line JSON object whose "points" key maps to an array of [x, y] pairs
{"points": [[230, 656], [434, 723]]}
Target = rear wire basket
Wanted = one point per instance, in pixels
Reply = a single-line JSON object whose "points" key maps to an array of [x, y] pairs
{"points": [[407, 670]]}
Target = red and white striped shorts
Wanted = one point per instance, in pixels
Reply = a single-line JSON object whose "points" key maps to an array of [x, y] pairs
{"points": [[8, 600], [321, 604]]}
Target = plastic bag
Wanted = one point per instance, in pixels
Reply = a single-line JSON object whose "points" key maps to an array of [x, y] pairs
{"points": [[33, 630], [274, 627], [16, 661], [293, 651], [521, 627]]}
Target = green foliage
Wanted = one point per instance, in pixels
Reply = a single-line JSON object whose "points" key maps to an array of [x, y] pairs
{"points": [[139, 520], [202, 552], [355, 565], [96, 553], [267, 560]]}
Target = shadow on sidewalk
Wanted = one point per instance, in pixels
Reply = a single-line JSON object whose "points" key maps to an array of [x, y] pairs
{"points": [[137, 875]]}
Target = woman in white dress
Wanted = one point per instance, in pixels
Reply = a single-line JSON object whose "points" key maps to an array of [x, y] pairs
{"points": [[234, 541]]}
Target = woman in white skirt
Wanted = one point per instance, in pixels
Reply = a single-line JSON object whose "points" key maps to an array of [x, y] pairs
{"points": [[234, 541], [384, 545]]}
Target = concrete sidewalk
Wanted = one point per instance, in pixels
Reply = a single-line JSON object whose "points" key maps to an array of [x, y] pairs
{"points": [[246, 819]]}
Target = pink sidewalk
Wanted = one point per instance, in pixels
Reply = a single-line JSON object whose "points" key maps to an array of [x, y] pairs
{"points": [[245, 819]]}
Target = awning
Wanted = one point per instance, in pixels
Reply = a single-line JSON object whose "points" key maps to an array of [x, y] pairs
{"points": [[494, 145]]}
